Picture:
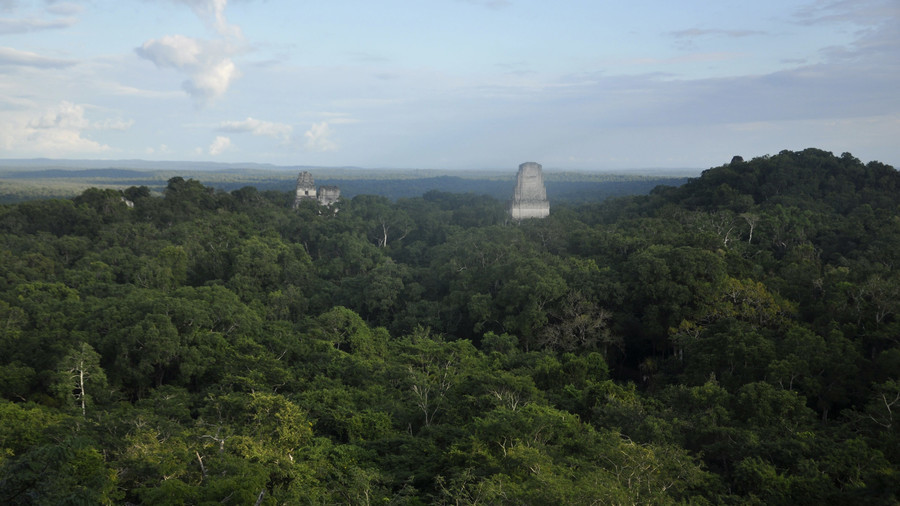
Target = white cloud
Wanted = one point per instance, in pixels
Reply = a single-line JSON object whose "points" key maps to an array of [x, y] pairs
{"points": [[279, 131], [66, 116], [219, 145], [207, 64], [54, 132], [318, 138], [10, 56], [176, 51], [212, 81]]}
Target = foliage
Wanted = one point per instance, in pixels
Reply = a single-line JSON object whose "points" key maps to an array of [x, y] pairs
{"points": [[732, 340]]}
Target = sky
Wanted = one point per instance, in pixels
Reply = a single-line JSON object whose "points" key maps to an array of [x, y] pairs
{"points": [[449, 84]]}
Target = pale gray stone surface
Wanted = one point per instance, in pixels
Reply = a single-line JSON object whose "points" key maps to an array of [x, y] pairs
{"points": [[306, 189], [329, 195], [530, 197]]}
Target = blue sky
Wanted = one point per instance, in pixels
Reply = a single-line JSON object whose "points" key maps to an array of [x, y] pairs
{"points": [[449, 84]]}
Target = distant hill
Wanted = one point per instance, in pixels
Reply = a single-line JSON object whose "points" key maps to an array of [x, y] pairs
{"points": [[41, 178], [80, 173], [809, 177]]}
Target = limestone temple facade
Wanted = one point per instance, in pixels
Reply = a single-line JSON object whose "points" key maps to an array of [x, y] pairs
{"points": [[530, 197], [328, 195], [306, 190]]}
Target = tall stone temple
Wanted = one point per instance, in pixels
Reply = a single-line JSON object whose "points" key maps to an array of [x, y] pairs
{"points": [[530, 197], [306, 190]]}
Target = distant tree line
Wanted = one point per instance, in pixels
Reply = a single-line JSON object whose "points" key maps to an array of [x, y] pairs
{"points": [[19, 186]]}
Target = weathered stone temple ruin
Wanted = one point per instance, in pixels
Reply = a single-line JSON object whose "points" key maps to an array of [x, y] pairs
{"points": [[328, 195], [306, 190], [530, 197]]}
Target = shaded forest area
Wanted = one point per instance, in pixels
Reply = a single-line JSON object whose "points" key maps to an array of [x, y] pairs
{"points": [[19, 184], [734, 340]]}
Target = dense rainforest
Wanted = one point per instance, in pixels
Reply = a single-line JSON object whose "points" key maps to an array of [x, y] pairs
{"points": [[734, 340]]}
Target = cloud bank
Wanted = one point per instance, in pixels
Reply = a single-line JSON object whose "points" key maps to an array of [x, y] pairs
{"points": [[57, 131], [219, 145], [207, 64], [319, 137], [253, 126]]}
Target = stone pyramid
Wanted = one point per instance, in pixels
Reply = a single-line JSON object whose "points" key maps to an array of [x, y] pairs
{"points": [[530, 197]]}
